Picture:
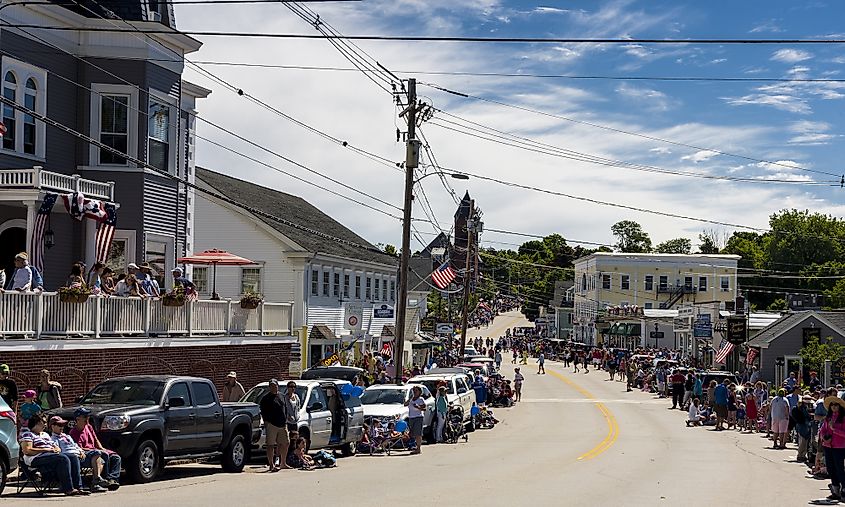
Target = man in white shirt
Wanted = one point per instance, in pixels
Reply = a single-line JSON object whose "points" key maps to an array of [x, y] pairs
{"points": [[22, 279]]}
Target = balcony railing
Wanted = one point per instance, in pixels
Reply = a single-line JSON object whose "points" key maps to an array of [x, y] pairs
{"points": [[38, 178], [671, 289], [43, 315]]}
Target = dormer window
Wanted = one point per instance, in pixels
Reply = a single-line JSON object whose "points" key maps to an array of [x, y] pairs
{"points": [[26, 86]]}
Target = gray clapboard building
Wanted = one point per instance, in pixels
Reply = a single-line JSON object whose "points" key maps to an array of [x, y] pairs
{"points": [[124, 90]]}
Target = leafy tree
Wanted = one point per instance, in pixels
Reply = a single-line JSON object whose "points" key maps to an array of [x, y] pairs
{"points": [[711, 241], [816, 352], [835, 296], [388, 249], [778, 305], [630, 237], [675, 246]]}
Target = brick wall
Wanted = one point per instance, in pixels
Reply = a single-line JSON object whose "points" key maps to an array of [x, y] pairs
{"points": [[80, 370]]}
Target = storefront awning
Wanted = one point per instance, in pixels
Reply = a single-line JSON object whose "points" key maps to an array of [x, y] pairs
{"points": [[659, 313]]}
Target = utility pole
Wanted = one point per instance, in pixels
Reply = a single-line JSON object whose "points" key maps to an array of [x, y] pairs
{"points": [[411, 162], [470, 235]]}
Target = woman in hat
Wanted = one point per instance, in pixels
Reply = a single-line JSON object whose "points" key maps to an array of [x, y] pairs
{"points": [[832, 433]]}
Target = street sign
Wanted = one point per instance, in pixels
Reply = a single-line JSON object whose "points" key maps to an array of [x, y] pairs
{"points": [[445, 328], [383, 312], [685, 311], [737, 330], [353, 316], [295, 365], [656, 334]]}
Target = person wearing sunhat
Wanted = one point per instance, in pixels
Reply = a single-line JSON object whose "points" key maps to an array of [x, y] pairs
{"points": [[232, 389], [22, 278], [85, 437], [70, 449], [832, 433], [148, 283]]}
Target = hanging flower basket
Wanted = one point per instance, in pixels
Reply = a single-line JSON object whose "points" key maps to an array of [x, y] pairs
{"points": [[250, 301], [176, 297], [74, 294]]}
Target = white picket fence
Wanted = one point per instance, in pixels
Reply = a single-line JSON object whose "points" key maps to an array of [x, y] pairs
{"points": [[41, 315]]}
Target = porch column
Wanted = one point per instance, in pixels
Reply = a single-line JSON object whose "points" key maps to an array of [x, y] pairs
{"points": [[31, 211], [90, 242]]}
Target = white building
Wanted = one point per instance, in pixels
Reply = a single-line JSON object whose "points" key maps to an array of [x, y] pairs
{"points": [[319, 274]]}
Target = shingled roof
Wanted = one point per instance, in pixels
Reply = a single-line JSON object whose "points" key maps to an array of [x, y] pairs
{"points": [[299, 211]]}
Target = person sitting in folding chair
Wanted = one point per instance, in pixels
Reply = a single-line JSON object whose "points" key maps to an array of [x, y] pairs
{"points": [[41, 453]]}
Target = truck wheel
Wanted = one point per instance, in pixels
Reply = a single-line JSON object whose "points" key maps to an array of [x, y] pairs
{"points": [[349, 449], [235, 455], [4, 475], [145, 462]]}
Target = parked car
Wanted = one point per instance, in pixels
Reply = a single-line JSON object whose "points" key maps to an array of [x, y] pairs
{"points": [[320, 424], [153, 419], [458, 390], [347, 373], [489, 364], [386, 403], [9, 449]]}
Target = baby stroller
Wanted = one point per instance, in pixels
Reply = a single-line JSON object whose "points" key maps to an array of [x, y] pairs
{"points": [[454, 428]]}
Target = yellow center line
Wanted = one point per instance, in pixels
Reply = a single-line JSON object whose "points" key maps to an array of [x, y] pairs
{"points": [[610, 419]]}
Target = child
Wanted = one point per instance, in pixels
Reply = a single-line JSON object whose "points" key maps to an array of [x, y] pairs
{"points": [[30, 407], [301, 459], [740, 417], [695, 418]]}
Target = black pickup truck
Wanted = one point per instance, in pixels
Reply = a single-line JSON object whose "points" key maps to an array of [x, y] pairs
{"points": [[151, 420]]}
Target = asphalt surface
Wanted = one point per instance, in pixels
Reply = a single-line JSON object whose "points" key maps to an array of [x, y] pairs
{"points": [[576, 439]]}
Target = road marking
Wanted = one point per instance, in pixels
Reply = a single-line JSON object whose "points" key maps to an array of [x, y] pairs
{"points": [[610, 419], [583, 400]]}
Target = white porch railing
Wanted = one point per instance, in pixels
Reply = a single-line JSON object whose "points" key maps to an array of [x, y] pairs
{"points": [[43, 315], [37, 177]]}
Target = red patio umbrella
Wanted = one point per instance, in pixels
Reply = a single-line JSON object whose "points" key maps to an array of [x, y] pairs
{"points": [[215, 257]]}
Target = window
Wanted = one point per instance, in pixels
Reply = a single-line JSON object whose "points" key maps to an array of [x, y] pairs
{"points": [[29, 133], [725, 282], [384, 291], [204, 394], [357, 286], [393, 290], [156, 255], [114, 127], [605, 281], [664, 282], [376, 293], [626, 282], [326, 283], [158, 132], [649, 306], [315, 282], [180, 390], [10, 88], [649, 282], [251, 280], [200, 279], [688, 282], [336, 289], [368, 293], [702, 284], [346, 286]]}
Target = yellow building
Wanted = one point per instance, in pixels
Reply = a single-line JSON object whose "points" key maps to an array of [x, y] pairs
{"points": [[648, 290]]}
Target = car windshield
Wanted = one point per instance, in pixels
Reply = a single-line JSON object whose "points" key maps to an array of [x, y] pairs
{"points": [[135, 392], [256, 393], [432, 386], [383, 397]]}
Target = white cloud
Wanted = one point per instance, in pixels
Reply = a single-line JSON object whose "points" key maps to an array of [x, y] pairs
{"points": [[811, 133], [783, 102], [647, 97], [781, 165], [791, 55], [700, 156], [769, 26], [662, 150], [549, 10]]}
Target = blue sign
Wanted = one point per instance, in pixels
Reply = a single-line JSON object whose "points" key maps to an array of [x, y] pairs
{"points": [[702, 327], [383, 312]]}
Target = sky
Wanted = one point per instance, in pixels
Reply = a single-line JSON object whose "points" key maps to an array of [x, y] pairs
{"points": [[759, 130]]}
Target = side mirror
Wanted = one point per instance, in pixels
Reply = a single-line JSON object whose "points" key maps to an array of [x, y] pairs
{"points": [[462, 390], [176, 402], [317, 405]]}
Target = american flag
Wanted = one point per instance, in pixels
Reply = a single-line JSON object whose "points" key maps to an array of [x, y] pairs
{"points": [[443, 276], [105, 234], [36, 247], [724, 350]]}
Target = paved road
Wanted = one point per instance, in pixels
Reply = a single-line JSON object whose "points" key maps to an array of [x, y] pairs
{"points": [[576, 439]]}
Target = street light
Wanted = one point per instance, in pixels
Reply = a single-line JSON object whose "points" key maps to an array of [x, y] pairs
{"points": [[456, 176]]}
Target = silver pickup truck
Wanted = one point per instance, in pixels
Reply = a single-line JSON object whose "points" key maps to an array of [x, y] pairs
{"points": [[326, 420]]}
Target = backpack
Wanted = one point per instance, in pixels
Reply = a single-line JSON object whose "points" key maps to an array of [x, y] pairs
{"points": [[325, 459]]}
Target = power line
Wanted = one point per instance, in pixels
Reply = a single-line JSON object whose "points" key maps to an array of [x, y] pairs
{"points": [[427, 38], [626, 132]]}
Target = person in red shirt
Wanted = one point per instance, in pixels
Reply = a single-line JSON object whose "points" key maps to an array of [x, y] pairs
{"points": [[85, 437], [677, 380]]}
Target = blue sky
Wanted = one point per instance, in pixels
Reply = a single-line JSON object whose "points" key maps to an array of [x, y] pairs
{"points": [[792, 123]]}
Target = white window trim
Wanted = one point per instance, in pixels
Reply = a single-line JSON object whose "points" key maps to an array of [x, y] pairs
{"points": [[207, 290], [172, 131], [169, 256], [621, 278], [260, 269], [24, 71], [129, 235], [97, 90]]}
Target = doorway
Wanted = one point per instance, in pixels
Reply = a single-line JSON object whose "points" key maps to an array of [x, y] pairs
{"points": [[12, 242]]}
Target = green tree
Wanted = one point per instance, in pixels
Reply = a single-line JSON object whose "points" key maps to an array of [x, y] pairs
{"points": [[710, 242], [835, 296], [778, 305], [816, 352], [388, 249], [630, 237], [675, 246]]}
